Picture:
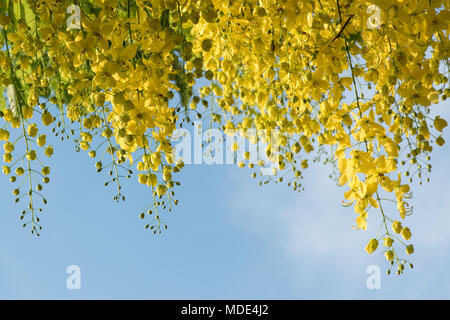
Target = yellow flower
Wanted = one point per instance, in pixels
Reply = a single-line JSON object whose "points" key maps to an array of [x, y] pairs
{"points": [[397, 226], [406, 233], [84, 145], [439, 124], [141, 166], [152, 181], [142, 178], [48, 151], [45, 171], [31, 155], [8, 147], [4, 135], [47, 118], [388, 241], [440, 141], [6, 170], [389, 255], [41, 140], [410, 249], [7, 157], [161, 190], [32, 130], [167, 175], [372, 246]]}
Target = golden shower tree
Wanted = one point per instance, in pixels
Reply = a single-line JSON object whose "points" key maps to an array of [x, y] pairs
{"points": [[348, 81]]}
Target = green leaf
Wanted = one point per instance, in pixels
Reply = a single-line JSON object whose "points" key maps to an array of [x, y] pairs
{"points": [[22, 11], [67, 96], [356, 37], [165, 19], [2, 98], [11, 14]]}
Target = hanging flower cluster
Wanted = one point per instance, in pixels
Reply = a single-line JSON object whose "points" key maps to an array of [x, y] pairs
{"points": [[350, 82]]}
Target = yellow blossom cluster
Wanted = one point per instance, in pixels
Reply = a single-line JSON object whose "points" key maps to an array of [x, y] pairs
{"points": [[348, 81]]}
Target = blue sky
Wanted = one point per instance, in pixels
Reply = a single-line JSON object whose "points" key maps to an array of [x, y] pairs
{"points": [[228, 239]]}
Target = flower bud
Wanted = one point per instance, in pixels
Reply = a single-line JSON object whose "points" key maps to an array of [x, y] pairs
{"points": [[372, 246]]}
